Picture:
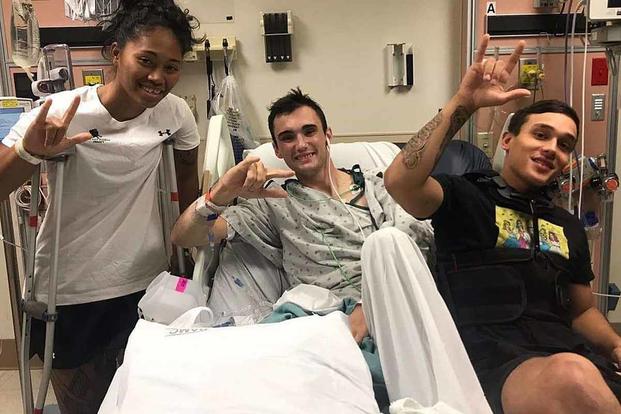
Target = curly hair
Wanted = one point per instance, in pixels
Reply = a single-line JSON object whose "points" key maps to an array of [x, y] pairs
{"points": [[134, 17]]}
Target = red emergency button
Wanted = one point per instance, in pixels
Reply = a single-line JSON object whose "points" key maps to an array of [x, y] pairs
{"points": [[565, 186]]}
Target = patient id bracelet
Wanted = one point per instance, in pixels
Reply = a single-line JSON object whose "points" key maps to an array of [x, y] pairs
{"points": [[24, 154], [207, 209]]}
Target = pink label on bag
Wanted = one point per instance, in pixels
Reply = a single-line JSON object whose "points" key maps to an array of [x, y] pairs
{"points": [[182, 284]]}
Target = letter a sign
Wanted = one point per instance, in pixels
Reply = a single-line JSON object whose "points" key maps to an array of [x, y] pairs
{"points": [[490, 9]]}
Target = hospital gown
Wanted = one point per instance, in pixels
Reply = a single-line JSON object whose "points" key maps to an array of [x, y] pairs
{"points": [[315, 239]]}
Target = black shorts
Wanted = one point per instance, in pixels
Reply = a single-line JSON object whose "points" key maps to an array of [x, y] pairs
{"points": [[84, 330], [496, 350]]}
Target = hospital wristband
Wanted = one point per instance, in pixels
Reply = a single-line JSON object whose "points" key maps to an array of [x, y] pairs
{"points": [[25, 155], [207, 209]]}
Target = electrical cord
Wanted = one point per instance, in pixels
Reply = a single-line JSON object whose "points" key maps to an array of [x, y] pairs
{"points": [[566, 49], [2, 239], [343, 202]]}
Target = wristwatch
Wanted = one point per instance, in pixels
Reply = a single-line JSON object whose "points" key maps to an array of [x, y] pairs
{"points": [[207, 209]]}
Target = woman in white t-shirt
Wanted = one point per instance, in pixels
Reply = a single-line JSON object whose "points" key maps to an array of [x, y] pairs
{"points": [[111, 243]]}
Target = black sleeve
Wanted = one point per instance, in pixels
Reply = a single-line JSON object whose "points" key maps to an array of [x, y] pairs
{"points": [[579, 255]]}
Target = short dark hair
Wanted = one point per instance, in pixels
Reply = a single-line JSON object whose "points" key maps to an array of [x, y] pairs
{"points": [[542, 107], [134, 17], [290, 102]]}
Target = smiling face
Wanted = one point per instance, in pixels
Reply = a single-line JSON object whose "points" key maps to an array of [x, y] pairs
{"points": [[147, 67], [301, 142], [539, 152]]}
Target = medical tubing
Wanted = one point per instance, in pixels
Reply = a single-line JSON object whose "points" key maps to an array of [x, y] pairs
{"points": [[582, 126], [566, 47], [338, 262], [606, 295], [340, 198], [327, 244], [571, 58]]}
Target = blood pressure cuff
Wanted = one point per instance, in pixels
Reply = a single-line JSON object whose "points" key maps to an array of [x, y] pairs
{"points": [[502, 285]]}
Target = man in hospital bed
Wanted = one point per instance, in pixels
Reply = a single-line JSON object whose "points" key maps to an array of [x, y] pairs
{"points": [[525, 314], [314, 227]]}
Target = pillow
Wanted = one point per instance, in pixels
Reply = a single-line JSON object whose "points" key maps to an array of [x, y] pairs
{"points": [[303, 365]]}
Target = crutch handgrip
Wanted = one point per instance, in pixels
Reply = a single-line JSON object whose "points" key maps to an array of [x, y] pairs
{"points": [[38, 310]]}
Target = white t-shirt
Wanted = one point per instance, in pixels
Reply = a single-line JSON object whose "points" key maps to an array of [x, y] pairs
{"points": [[111, 240]]}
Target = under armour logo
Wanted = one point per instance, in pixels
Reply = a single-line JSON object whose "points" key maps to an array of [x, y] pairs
{"points": [[167, 132], [97, 139]]}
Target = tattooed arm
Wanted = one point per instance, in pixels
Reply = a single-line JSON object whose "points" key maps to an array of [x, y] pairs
{"points": [[408, 178]]}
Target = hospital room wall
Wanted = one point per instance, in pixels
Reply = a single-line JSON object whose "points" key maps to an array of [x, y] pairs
{"points": [[338, 49], [338, 58]]}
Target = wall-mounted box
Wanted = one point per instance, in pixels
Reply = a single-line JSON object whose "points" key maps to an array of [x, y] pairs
{"points": [[399, 64], [277, 29], [216, 49]]}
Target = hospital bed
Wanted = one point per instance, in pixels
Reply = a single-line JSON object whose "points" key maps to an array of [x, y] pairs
{"points": [[241, 269], [237, 267], [241, 287]]}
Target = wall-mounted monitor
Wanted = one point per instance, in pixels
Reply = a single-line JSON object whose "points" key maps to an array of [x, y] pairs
{"points": [[603, 10], [11, 109]]}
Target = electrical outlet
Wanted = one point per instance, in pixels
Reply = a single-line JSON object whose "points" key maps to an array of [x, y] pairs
{"points": [[531, 74], [484, 142]]}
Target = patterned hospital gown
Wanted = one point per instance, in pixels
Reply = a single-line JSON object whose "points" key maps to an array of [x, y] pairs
{"points": [[315, 239]]}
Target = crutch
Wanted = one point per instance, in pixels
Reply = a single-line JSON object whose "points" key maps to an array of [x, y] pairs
{"points": [[32, 308]]}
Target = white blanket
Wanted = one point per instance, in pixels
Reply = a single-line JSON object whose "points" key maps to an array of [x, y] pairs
{"points": [[304, 365]]}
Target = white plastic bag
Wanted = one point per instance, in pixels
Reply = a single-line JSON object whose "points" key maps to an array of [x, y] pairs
{"points": [[303, 366], [168, 297], [25, 42], [229, 103]]}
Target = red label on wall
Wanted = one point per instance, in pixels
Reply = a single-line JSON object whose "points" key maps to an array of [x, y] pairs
{"points": [[599, 72]]}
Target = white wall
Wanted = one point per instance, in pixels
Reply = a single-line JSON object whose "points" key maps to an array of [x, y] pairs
{"points": [[338, 58]]}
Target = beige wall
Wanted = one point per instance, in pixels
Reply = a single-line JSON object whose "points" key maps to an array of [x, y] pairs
{"points": [[338, 59]]}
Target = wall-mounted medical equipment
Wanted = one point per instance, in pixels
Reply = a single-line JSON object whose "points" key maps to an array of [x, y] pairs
{"points": [[277, 29], [532, 24], [25, 42], [604, 10], [54, 72], [531, 74], [596, 176], [93, 77], [541, 4], [215, 47], [399, 64], [90, 9]]}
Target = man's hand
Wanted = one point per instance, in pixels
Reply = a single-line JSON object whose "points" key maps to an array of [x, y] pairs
{"points": [[358, 324], [246, 180], [46, 135], [484, 83]]}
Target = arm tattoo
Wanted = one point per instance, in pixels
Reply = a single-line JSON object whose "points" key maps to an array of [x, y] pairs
{"points": [[415, 148]]}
